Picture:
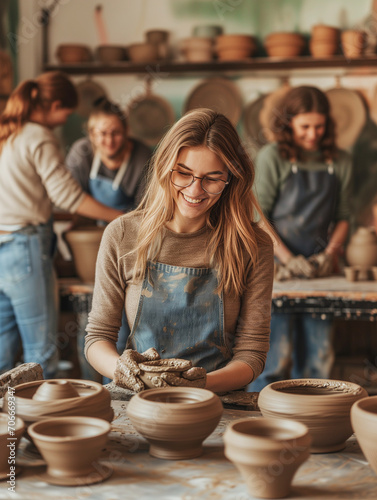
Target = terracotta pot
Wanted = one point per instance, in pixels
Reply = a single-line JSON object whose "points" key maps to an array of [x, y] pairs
{"points": [[175, 421], [233, 54], [9, 443], [353, 43], [93, 400], [73, 53], [283, 50], [150, 369], [235, 42], [84, 243], [362, 250], [197, 43], [111, 53], [157, 36], [324, 33], [70, 445], [143, 52], [322, 48], [364, 423], [267, 452], [322, 405], [195, 55]]}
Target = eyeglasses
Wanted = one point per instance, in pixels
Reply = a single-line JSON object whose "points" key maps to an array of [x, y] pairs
{"points": [[209, 185], [102, 134]]}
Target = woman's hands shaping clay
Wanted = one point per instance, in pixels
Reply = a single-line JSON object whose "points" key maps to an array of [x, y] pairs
{"points": [[132, 364]]}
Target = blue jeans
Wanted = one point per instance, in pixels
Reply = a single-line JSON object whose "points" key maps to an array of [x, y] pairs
{"points": [[28, 305], [300, 347]]}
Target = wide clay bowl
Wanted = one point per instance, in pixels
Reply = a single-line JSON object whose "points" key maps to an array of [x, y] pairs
{"points": [[70, 445], [323, 405], [364, 423], [11, 430], [267, 452], [175, 421], [92, 400]]}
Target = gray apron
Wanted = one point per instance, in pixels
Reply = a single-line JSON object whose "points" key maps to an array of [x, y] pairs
{"points": [[305, 209], [181, 315]]}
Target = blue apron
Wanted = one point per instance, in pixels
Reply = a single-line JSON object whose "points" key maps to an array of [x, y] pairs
{"points": [[305, 210], [181, 315], [108, 191]]}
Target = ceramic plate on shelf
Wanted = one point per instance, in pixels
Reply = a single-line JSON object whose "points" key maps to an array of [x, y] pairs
{"points": [[149, 118], [219, 94], [349, 113]]}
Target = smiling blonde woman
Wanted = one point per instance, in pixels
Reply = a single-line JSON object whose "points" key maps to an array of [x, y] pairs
{"points": [[191, 267]]}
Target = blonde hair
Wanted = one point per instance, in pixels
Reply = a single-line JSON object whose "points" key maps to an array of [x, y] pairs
{"points": [[233, 245], [35, 94]]}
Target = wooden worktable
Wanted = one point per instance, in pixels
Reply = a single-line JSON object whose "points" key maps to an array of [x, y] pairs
{"points": [[138, 476]]}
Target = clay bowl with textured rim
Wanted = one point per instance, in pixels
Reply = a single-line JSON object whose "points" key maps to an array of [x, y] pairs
{"points": [[322, 405], [149, 369], [55, 389], [70, 445], [93, 400], [267, 452], [175, 421], [364, 424], [8, 425], [84, 244]]}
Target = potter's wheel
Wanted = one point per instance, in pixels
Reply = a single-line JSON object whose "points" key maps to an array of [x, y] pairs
{"points": [[99, 473]]}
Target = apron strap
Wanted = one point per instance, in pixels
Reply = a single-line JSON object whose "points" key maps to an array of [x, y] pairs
{"points": [[96, 163]]}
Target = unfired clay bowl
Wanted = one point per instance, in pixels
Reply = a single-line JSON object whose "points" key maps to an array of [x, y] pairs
{"points": [[267, 452], [9, 443], [323, 405], [364, 423], [71, 446], [362, 250], [92, 400], [175, 421], [151, 369]]}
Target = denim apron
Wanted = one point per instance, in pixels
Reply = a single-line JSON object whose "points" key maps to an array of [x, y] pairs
{"points": [[108, 191], [305, 209], [181, 315]]}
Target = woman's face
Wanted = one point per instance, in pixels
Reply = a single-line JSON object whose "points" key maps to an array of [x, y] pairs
{"points": [[308, 130], [108, 136], [192, 203]]}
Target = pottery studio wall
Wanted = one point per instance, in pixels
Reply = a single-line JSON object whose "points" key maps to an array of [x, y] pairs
{"points": [[126, 21]]}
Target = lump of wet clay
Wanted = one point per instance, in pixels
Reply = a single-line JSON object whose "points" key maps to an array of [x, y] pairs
{"points": [[171, 372]]}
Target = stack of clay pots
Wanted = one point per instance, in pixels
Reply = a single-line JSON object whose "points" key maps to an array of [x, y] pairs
{"points": [[324, 41], [284, 45], [235, 47], [197, 48], [353, 43]]}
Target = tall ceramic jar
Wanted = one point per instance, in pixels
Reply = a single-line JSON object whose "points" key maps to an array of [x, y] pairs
{"points": [[362, 250]]}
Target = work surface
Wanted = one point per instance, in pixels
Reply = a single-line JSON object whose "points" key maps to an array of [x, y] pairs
{"points": [[137, 475]]}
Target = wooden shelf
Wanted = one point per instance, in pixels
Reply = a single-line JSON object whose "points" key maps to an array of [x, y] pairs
{"points": [[263, 64]]}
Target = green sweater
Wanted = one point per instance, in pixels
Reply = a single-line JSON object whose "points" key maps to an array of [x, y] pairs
{"points": [[272, 172]]}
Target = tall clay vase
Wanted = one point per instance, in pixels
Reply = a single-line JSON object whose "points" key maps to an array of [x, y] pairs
{"points": [[175, 421], [364, 423], [362, 250], [267, 452]]}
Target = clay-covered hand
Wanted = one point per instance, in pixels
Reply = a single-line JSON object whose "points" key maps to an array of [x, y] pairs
{"points": [[127, 369], [323, 263], [194, 377], [301, 267], [281, 273]]}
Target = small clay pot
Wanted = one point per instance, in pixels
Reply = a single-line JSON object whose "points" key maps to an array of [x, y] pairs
{"points": [[267, 452], [352, 273], [143, 52], [353, 43], [284, 44], [175, 421], [93, 400], [73, 53], [362, 251], [149, 369], [322, 405], [364, 424], [9, 442], [70, 446], [324, 33], [84, 244], [322, 48], [111, 53]]}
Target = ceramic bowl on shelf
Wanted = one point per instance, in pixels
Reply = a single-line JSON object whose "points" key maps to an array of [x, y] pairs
{"points": [[175, 421], [73, 53], [353, 43], [284, 45], [111, 53], [267, 452], [325, 33], [323, 405], [364, 424], [143, 52], [71, 447], [319, 48]]}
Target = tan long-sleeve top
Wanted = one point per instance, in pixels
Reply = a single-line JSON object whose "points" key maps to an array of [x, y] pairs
{"points": [[246, 318], [33, 178]]}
